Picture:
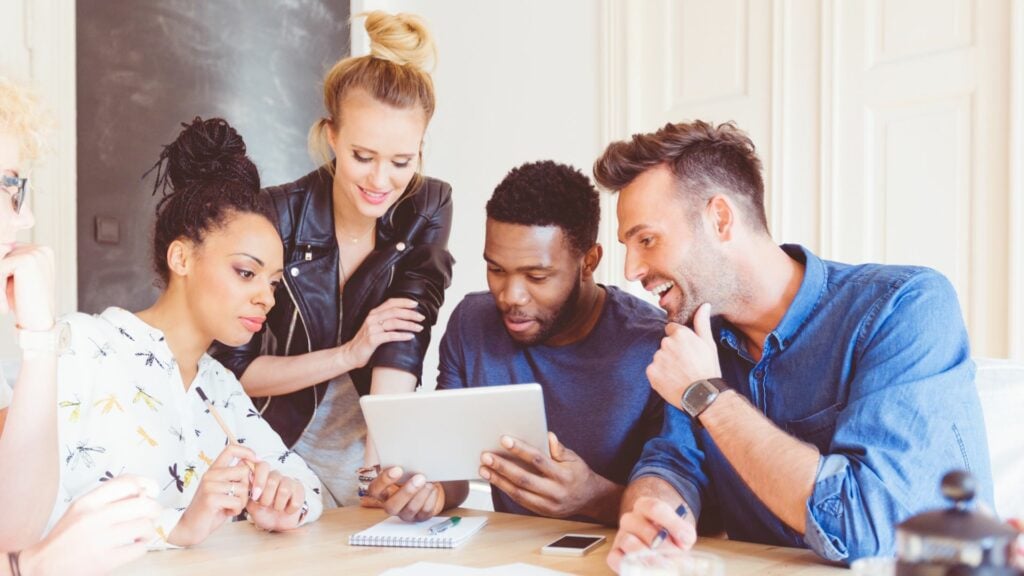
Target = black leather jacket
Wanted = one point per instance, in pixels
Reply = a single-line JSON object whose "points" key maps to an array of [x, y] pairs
{"points": [[410, 260]]}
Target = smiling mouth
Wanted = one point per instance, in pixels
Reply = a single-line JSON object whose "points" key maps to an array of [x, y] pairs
{"points": [[373, 197], [660, 289]]}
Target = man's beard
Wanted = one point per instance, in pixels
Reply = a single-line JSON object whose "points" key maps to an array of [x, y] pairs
{"points": [[553, 324], [710, 281]]}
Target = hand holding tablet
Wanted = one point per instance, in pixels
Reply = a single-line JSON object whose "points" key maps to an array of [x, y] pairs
{"points": [[441, 435]]}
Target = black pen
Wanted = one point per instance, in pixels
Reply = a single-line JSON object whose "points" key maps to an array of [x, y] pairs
{"points": [[663, 533]]}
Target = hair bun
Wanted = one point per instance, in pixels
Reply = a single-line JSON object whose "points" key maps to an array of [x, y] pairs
{"points": [[205, 151], [400, 38]]}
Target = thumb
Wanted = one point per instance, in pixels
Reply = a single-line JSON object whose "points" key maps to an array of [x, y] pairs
{"points": [[702, 324], [556, 448]]}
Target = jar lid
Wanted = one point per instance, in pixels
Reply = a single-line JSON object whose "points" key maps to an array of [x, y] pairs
{"points": [[960, 522]]}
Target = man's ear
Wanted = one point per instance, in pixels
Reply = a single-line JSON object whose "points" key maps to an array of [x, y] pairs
{"points": [[720, 213], [180, 257], [591, 259]]}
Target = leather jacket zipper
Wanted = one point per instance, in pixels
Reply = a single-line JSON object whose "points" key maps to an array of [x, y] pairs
{"points": [[295, 315], [291, 330], [309, 342]]}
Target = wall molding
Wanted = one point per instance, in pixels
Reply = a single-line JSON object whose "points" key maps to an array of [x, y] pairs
{"points": [[827, 121], [1016, 247], [50, 36], [781, 51], [613, 125]]}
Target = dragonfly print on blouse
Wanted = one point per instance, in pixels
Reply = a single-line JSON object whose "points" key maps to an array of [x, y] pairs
{"points": [[82, 454], [102, 351], [142, 396], [152, 361], [127, 411], [182, 480], [109, 402], [76, 408]]}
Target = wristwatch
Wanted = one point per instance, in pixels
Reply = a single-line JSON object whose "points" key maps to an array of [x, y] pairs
{"points": [[55, 339], [700, 395]]}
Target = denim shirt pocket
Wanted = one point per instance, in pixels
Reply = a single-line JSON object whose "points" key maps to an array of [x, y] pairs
{"points": [[818, 428]]}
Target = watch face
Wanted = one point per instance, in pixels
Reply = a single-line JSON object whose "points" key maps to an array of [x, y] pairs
{"points": [[698, 396]]}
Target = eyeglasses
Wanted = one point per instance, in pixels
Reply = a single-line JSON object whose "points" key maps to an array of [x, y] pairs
{"points": [[17, 188]]}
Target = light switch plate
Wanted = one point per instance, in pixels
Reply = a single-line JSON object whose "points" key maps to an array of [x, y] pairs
{"points": [[108, 230]]}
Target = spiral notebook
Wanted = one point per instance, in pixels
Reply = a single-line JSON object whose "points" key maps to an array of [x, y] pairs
{"points": [[396, 533]]}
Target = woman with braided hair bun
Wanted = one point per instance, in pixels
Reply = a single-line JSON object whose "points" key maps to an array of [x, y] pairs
{"points": [[366, 253], [133, 388]]}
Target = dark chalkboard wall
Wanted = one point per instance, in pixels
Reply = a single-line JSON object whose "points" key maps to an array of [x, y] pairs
{"points": [[145, 66]]}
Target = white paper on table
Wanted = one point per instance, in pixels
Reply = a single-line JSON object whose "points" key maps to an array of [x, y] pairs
{"points": [[434, 569], [521, 569]]}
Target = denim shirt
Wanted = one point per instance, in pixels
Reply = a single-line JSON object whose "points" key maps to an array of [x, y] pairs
{"points": [[870, 364]]}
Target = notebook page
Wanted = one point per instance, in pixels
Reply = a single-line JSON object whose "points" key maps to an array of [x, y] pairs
{"points": [[395, 532]]}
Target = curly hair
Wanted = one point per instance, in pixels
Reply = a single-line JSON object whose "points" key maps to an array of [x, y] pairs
{"points": [[210, 178], [547, 193], [705, 159], [22, 114]]}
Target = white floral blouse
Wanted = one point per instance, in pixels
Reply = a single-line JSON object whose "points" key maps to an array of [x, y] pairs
{"points": [[124, 410]]}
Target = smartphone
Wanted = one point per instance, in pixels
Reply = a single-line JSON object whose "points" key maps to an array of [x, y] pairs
{"points": [[573, 545]]}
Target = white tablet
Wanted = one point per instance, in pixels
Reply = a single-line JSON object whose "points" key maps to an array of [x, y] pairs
{"points": [[441, 434]]}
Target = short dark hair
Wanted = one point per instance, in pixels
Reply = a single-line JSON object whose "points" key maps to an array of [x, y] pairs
{"points": [[547, 193], [701, 156], [210, 178]]}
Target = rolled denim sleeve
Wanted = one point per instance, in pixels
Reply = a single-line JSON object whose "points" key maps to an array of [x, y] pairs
{"points": [[675, 457], [913, 414]]}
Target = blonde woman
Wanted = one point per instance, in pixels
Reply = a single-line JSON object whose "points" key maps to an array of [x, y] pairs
{"points": [[366, 260], [106, 527]]}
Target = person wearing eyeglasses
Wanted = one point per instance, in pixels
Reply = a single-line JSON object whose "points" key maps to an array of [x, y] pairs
{"points": [[110, 525]]}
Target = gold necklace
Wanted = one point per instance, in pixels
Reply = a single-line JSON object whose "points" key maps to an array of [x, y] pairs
{"points": [[356, 239]]}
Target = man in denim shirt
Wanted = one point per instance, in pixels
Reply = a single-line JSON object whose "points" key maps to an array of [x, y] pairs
{"points": [[823, 402]]}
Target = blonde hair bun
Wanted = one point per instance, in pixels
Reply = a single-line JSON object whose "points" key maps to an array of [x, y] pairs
{"points": [[400, 38]]}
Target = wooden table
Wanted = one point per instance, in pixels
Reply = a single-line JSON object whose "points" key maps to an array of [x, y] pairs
{"points": [[322, 548]]}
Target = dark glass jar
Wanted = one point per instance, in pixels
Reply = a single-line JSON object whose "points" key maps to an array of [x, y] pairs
{"points": [[957, 541]]}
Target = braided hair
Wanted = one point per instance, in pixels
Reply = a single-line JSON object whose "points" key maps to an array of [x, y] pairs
{"points": [[205, 178]]}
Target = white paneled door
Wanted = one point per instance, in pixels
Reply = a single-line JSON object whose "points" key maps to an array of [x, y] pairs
{"points": [[884, 125], [920, 167]]}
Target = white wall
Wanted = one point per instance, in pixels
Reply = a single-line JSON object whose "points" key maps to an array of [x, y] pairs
{"points": [[516, 82]]}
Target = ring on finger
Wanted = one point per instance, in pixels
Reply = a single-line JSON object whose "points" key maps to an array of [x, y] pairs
{"points": [[231, 490]]}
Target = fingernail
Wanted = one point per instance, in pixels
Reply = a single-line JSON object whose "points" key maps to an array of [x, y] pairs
{"points": [[485, 474], [507, 442], [256, 493], [487, 459], [395, 472], [418, 480]]}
